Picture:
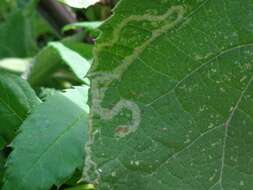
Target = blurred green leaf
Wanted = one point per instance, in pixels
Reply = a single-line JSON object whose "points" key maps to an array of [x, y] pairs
{"points": [[15, 65], [16, 37], [82, 187], [17, 99], [90, 26], [2, 168], [59, 55], [6, 7], [77, 63], [26, 4], [2, 143]]}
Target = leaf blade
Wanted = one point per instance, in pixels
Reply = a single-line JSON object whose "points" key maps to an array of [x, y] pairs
{"points": [[17, 99], [58, 150], [59, 55], [182, 77]]}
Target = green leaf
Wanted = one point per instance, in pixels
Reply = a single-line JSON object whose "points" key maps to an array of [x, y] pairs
{"points": [[79, 3], [16, 36], [5, 7], [2, 163], [82, 187], [17, 99], [2, 143], [86, 25], [172, 97], [90, 28], [50, 145], [26, 4], [77, 63], [75, 43], [58, 54]]}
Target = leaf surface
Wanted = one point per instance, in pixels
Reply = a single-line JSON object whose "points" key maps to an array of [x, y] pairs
{"points": [[2, 163], [17, 99], [171, 97], [50, 145], [16, 35]]}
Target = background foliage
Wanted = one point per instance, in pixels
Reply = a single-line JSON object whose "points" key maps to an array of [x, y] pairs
{"points": [[45, 53]]}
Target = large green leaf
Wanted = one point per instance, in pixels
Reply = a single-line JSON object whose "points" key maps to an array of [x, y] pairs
{"points": [[50, 145], [171, 97], [17, 99]]}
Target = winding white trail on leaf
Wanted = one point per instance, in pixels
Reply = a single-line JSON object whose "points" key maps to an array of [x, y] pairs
{"points": [[102, 80]]}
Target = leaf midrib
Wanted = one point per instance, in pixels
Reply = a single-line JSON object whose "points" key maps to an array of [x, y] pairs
{"points": [[226, 125]]}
